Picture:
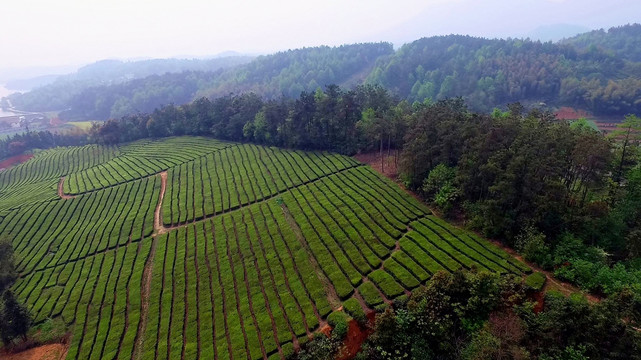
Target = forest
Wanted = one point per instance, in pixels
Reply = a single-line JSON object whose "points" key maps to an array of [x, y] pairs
{"points": [[602, 79]]}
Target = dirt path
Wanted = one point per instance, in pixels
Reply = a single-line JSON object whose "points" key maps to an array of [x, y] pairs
{"points": [[159, 228], [145, 289], [61, 191], [44, 352]]}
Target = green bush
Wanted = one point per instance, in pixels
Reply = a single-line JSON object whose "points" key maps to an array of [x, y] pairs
{"points": [[531, 243], [354, 309], [535, 281], [339, 321], [439, 187]]}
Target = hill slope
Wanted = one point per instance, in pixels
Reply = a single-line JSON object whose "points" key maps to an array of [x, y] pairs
{"points": [[208, 249]]}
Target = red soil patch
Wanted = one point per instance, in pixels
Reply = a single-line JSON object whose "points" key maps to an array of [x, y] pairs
{"points": [[356, 336], [568, 113], [44, 352], [55, 121], [14, 160], [389, 166], [327, 330], [539, 299]]}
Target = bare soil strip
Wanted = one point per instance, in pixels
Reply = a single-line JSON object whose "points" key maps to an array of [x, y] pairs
{"points": [[44, 352], [144, 300], [159, 229]]}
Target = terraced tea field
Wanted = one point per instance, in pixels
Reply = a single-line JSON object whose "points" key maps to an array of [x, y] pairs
{"points": [[188, 248]]}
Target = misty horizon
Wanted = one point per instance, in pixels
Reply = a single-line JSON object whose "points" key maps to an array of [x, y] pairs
{"points": [[72, 34]]}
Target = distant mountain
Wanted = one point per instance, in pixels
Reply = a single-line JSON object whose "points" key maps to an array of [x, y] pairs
{"points": [[490, 73], [271, 76], [288, 73], [57, 95], [597, 71], [31, 83]]}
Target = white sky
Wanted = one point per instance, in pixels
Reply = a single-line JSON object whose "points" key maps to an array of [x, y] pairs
{"points": [[63, 32]]}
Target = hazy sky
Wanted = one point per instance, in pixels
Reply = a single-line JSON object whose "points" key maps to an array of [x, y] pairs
{"points": [[63, 32]]}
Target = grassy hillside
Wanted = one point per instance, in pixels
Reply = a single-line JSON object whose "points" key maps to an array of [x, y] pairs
{"points": [[196, 248]]}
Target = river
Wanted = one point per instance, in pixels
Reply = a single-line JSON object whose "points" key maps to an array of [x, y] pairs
{"points": [[4, 92]]}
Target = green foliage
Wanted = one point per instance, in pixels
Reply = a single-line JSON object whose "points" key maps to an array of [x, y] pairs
{"points": [[439, 185], [320, 348], [535, 281], [8, 272], [633, 241], [437, 317], [490, 73], [584, 124], [621, 40], [432, 326], [531, 243], [354, 309], [14, 319]]}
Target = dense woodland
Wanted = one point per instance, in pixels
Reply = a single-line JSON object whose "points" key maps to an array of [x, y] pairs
{"points": [[624, 41], [602, 78], [488, 73]]}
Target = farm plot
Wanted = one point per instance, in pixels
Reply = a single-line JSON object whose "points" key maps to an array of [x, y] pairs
{"points": [[139, 160], [36, 179], [245, 254], [240, 175], [53, 233]]}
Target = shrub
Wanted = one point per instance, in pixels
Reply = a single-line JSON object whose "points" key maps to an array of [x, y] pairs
{"points": [[531, 243], [439, 187], [339, 321], [535, 281], [354, 309]]}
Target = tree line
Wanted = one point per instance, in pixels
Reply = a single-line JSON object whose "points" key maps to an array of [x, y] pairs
{"points": [[15, 320], [563, 194]]}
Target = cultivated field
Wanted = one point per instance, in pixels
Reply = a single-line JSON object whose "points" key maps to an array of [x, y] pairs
{"points": [[189, 247]]}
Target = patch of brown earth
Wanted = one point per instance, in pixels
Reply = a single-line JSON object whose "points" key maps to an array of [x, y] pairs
{"points": [[387, 167], [568, 113], [61, 190], [356, 336], [44, 352], [14, 160], [539, 299]]}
